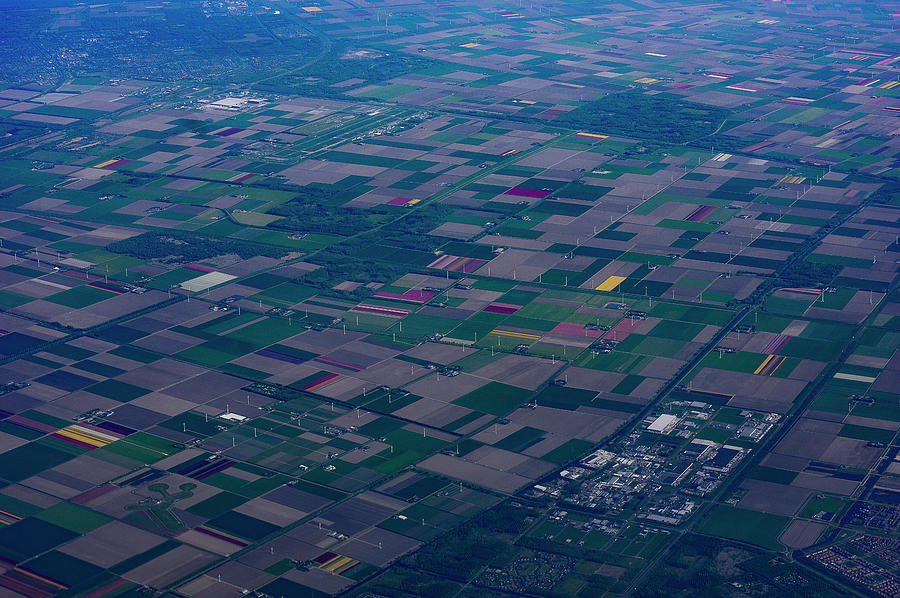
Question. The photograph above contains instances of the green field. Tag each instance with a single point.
(494, 398)
(761, 529)
(80, 297)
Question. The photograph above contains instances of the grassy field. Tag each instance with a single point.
(80, 297)
(754, 527)
(73, 518)
(494, 398)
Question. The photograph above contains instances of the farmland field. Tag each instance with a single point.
(450, 299)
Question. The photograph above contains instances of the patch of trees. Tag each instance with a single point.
(314, 217)
(408, 232)
(406, 582)
(635, 114)
(338, 268)
(335, 194)
(578, 552)
(885, 194)
(809, 274)
(276, 184)
(189, 246)
(485, 540)
(316, 209)
(340, 64)
(699, 566)
(411, 231)
(729, 143)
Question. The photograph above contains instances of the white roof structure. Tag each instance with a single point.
(201, 283)
(662, 423)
